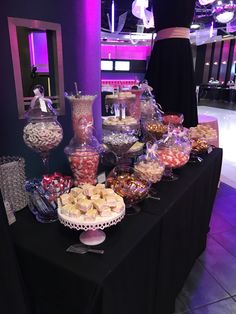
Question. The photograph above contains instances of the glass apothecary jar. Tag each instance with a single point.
(43, 132)
(173, 151)
(84, 160)
(83, 151)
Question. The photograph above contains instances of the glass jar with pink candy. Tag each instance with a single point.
(83, 149)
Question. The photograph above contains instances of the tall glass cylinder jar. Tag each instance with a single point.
(82, 117)
(82, 151)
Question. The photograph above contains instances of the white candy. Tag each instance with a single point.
(42, 136)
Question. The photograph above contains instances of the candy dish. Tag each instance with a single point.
(151, 170)
(205, 132)
(119, 143)
(173, 152)
(91, 208)
(199, 147)
(92, 234)
(173, 118)
(129, 184)
(154, 130)
(43, 194)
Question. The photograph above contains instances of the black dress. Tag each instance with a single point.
(170, 70)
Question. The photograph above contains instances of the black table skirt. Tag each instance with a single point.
(147, 256)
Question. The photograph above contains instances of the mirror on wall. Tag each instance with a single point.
(36, 48)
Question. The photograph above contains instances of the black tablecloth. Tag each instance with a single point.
(147, 256)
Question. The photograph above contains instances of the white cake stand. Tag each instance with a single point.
(92, 234)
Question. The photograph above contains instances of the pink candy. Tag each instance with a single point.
(84, 166)
(172, 157)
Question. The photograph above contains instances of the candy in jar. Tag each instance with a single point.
(84, 164)
(82, 151)
(174, 152)
(149, 165)
(82, 117)
(42, 132)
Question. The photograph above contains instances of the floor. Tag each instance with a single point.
(211, 285)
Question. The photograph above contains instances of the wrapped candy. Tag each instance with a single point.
(43, 194)
(129, 184)
(56, 184)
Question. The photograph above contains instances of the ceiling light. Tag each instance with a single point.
(195, 26)
(224, 11)
(205, 2)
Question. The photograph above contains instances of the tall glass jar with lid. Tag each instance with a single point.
(83, 149)
(43, 132)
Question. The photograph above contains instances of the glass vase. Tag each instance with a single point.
(83, 149)
(12, 181)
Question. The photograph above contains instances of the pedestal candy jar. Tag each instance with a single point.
(173, 151)
(83, 149)
(42, 132)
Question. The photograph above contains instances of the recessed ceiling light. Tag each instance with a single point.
(195, 25)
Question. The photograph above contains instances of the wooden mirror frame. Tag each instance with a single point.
(13, 23)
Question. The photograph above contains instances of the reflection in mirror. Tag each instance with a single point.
(36, 48)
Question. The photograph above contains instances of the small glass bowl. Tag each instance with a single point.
(128, 183)
(174, 118)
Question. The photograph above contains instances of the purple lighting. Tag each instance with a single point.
(125, 52)
(88, 54)
(39, 51)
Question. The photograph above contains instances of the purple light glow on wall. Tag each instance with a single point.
(39, 51)
(125, 52)
(122, 76)
(88, 54)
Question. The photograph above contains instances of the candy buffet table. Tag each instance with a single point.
(147, 256)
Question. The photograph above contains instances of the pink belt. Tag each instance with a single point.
(173, 32)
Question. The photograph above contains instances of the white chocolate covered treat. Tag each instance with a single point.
(85, 202)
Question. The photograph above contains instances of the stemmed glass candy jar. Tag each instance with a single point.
(42, 132)
(83, 149)
(173, 151)
(119, 142)
(149, 164)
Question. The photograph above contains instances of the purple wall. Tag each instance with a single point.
(39, 51)
(88, 52)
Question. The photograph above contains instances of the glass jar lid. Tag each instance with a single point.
(40, 106)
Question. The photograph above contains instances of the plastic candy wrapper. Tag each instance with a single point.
(43, 194)
(149, 165)
(149, 106)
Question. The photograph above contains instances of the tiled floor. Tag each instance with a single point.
(211, 285)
